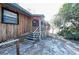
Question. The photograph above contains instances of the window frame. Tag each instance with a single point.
(2, 21)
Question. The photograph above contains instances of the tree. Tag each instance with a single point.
(68, 13)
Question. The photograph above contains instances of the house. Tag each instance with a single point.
(16, 21)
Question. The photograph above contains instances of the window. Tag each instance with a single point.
(9, 17)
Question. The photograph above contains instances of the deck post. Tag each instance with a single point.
(17, 48)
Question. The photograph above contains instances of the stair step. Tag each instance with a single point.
(30, 38)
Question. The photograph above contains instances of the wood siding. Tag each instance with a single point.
(8, 31)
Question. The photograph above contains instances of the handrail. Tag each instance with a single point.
(35, 30)
(11, 41)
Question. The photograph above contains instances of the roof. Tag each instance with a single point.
(21, 9)
(18, 8)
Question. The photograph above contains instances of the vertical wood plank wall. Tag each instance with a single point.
(8, 31)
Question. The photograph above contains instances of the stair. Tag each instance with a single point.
(33, 36)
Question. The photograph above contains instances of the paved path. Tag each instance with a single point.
(48, 46)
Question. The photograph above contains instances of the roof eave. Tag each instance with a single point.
(18, 8)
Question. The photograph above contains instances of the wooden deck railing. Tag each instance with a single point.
(12, 41)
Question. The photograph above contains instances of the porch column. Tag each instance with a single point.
(40, 29)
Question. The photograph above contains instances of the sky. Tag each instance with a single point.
(48, 9)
